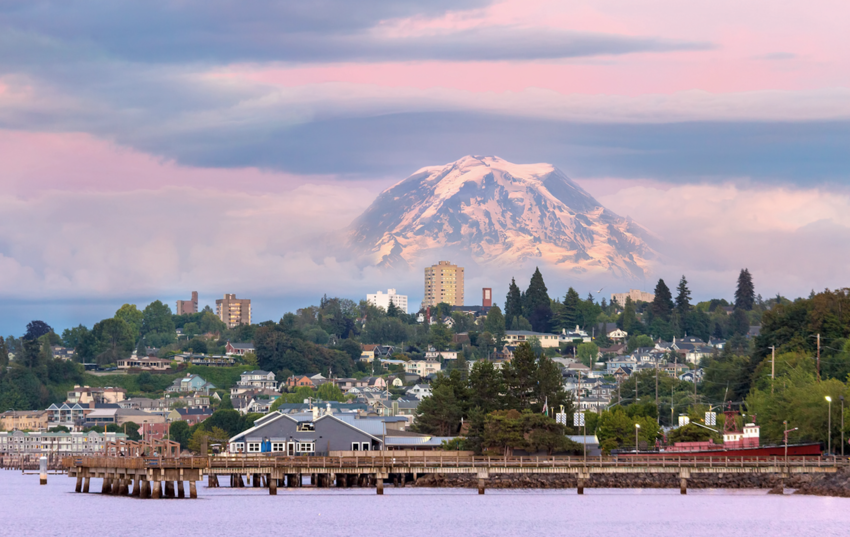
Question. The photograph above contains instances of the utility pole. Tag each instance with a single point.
(636, 385)
(818, 357)
(657, 413)
(772, 366)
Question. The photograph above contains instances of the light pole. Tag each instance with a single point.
(842, 425)
(637, 430)
(829, 426)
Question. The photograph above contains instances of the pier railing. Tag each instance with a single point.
(434, 461)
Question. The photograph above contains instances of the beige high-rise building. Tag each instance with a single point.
(443, 283)
(233, 311)
(635, 294)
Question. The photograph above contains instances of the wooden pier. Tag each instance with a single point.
(159, 477)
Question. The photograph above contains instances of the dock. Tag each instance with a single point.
(164, 477)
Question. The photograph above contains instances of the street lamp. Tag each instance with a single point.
(637, 430)
(829, 426)
(842, 425)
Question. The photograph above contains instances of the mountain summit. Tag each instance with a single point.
(499, 213)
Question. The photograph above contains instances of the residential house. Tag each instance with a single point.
(515, 337)
(379, 383)
(404, 407)
(127, 415)
(618, 334)
(433, 353)
(149, 363)
(690, 375)
(190, 383)
(138, 403)
(423, 368)
(70, 416)
(618, 349)
(622, 373)
(367, 356)
(616, 363)
(24, 420)
(297, 381)
(420, 391)
(592, 404)
(85, 395)
(717, 343)
(387, 363)
(62, 353)
(258, 379)
(193, 416)
(698, 354)
(574, 336)
(238, 349)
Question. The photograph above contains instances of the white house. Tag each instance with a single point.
(617, 334)
(420, 391)
(515, 337)
(382, 300)
(574, 336)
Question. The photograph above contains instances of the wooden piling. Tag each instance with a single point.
(157, 490)
(379, 484)
(145, 490)
(193, 490)
(683, 486)
(137, 484)
(272, 487)
(169, 489)
(86, 484)
(580, 487)
(180, 492)
(79, 487)
(480, 486)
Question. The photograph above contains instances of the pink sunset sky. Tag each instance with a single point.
(149, 149)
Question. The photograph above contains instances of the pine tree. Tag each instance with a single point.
(662, 306)
(683, 298)
(4, 357)
(392, 310)
(141, 348)
(745, 294)
(537, 304)
(513, 303)
(495, 324)
(568, 318)
(629, 317)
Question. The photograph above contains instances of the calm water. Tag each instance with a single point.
(29, 509)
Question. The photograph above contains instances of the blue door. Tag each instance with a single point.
(266, 446)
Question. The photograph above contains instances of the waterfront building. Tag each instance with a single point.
(92, 442)
(238, 349)
(31, 420)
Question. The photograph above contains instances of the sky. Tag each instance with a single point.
(152, 148)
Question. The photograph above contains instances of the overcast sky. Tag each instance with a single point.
(152, 148)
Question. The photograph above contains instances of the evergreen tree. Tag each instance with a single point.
(745, 294)
(683, 297)
(520, 376)
(4, 357)
(142, 349)
(629, 317)
(46, 354)
(537, 305)
(392, 310)
(495, 324)
(513, 303)
(569, 314)
(662, 306)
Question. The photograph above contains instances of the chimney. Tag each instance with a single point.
(315, 413)
(487, 297)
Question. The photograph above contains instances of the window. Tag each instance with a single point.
(306, 447)
(278, 446)
(365, 446)
(355, 446)
(306, 427)
(253, 447)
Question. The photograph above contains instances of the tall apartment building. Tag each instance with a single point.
(634, 294)
(233, 311)
(443, 283)
(382, 300)
(188, 306)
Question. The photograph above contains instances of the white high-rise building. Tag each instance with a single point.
(383, 300)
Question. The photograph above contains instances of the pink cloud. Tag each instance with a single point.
(39, 161)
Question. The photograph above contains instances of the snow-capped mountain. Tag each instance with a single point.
(498, 213)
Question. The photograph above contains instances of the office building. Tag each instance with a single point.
(443, 283)
(233, 311)
(635, 294)
(382, 300)
(188, 306)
